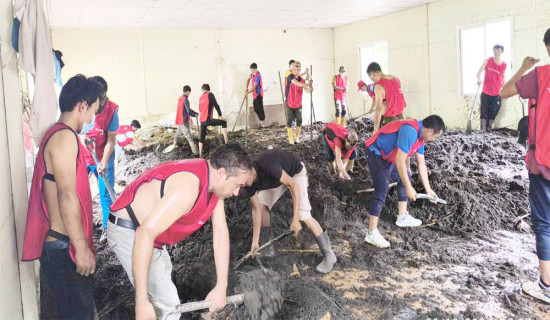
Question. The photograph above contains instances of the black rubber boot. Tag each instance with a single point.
(265, 236)
(329, 258)
(489, 125)
(483, 125)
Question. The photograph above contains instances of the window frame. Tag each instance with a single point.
(371, 44)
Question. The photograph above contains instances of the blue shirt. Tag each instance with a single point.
(257, 81)
(113, 125)
(403, 139)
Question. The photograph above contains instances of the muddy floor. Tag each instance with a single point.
(467, 261)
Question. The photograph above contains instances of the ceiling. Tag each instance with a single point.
(218, 14)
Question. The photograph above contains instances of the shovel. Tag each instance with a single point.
(259, 250)
(427, 197)
(112, 193)
(163, 311)
(469, 126)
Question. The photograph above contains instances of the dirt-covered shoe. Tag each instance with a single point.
(537, 290)
(375, 238)
(265, 236)
(329, 258)
(103, 236)
(406, 220)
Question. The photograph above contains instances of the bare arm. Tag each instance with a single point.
(171, 207)
(379, 95)
(295, 189)
(221, 257)
(256, 221)
(339, 163)
(483, 65)
(63, 152)
(510, 89)
(401, 164)
(334, 86)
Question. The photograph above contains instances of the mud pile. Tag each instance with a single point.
(482, 177)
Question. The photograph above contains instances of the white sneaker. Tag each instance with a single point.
(406, 220)
(103, 236)
(535, 290)
(375, 238)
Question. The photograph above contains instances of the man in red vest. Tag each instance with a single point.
(103, 130)
(338, 144)
(369, 89)
(388, 97)
(295, 86)
(388, 157)
(183, 118)
(165, 205)
(126, 137)
(257, 91)
(535, 86)
(340, 86)
(207, 104)
(59, 217)
(495, 69)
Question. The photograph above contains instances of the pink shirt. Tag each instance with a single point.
(528, 88)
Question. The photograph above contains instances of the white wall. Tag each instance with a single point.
(146, 69)
(424, 52)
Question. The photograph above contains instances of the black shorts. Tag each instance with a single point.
(490, 106)
(213, 122)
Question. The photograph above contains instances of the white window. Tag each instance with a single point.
(373, 52)
(476, 45)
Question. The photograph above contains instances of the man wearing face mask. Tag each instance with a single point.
(388, 157)
(165, 205)
(495, 69)
(59, 217)
(340, 86)
(257, 91)
(103, 130)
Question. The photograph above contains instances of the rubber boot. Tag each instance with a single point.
(329, 258)
(343, 120)
(337, 120)
(290, 136)
(483, 125)
(331, 167)
(489, 125)
(349, 165)
(265, 236)
(297, 138)
(195, 149)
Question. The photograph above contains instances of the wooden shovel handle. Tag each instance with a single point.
(164, 311)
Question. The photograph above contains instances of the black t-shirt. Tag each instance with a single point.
(269, 169)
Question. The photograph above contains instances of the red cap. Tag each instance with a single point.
(360, 84)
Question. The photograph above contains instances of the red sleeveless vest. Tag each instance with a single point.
(494, 77)
(38, 218)
(539, 121)
(341, 132)
(261, 84)
(124, 135)
(393, 127)
(99, 132)
(394, 97)
(179, 112)
(204, 106)
(341, 82)
(194, 219)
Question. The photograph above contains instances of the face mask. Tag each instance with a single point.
(342, 74)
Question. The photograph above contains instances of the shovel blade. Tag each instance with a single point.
(469, 127)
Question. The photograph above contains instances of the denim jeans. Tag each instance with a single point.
(73, 293)
(539, 198)
(103, 192)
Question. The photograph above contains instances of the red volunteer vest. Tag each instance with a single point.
(204, 104)
(38, 218)
(393, 127)
(261, 84)
(99, 132)
(194, 219)
(294, 95)
(341, 132)
(494, 77)
(179, 112)
(341, 82)
(124, 135)
(539, 120)
(394, 97)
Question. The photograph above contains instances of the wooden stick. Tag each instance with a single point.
(163, 311)
(300, 251)
(391, 185)
(267, 244)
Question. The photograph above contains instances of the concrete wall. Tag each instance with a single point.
(19, 294)
(146, 69)
(424, 52)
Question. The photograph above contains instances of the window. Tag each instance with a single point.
(476, 45)
(373, 52)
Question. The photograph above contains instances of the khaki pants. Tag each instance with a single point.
(269, 197)
(161, 287)
(185, 131)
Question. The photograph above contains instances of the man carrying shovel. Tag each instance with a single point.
(165, 205)
(273, 173)
(388, 156)
(183, 117)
